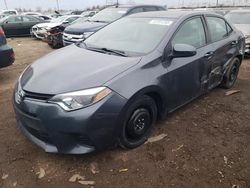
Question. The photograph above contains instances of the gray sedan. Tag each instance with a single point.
(111, 88)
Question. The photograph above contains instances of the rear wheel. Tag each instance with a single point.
(231, 74)
(138, 122)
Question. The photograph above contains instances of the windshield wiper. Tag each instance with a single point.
(99, 21)
(117, 52)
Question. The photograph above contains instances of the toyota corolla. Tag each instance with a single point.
(110, 89)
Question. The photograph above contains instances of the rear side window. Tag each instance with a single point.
(71, 19)
(15, 19)
(29, 19)
(217, 28)
(192, 33)
(149, 9)
(136, 10)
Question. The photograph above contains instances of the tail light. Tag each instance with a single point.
(1, 31)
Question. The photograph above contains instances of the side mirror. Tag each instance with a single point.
(183, 50)
(7, 22)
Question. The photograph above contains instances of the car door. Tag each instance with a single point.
(224, 45)
(28, 23)
(13, 26)
(186, 77)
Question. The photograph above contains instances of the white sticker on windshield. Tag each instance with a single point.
(122, 12)
(161, 22)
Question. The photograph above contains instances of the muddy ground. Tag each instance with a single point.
(207, 143)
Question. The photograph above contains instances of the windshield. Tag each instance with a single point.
(59, 19)
(238, 17)
(109, 15)
(81, 20)
(131, 35)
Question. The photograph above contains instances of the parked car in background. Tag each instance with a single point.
(9, 12)
(241, 20)
(54, 36)
(111, 88)
(88, 14)
(19, 25)
(32, 13)
(40, 30)
(76, 12)
(79, 31)
(56, 15)
(7, 56)
(44, 17)
(3, 16)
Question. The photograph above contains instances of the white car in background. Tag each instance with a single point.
(241, 20)
(40, 30)
(9, 12)
(32, 13)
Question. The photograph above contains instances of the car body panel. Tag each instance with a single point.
(6, 56)
(6, 53)
(57, 135)
(20, 27)
(83, 70)
(176, 81)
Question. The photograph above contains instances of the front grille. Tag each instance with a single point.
(38, 134)
(37, 96)
(84, 140)
(73, 32)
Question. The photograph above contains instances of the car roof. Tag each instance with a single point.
(173, 14)
(133, 6)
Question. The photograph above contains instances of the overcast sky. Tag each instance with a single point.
(82, 4)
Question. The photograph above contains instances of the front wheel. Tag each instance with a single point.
(138, 122)
(231, 75)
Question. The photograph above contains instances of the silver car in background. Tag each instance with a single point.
(241, 20)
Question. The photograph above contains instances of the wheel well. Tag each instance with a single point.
(159, 102)
(240, 57)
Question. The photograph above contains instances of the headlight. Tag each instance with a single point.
(80, 99)
(87, 34)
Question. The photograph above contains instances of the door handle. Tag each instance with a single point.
(209, 54)
(234, 42)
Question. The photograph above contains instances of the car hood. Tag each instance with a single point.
(84, 27)
(50, 25)
(244, 28)
(73, 68)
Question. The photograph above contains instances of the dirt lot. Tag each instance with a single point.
(207, 143)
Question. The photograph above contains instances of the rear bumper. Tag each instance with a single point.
(78, 132)
(7, 56)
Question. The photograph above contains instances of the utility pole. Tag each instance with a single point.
(6, 6)
(57, 2)
(117, 2)
(217, 3)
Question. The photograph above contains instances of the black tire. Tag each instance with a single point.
(138, 122)
(231, 75)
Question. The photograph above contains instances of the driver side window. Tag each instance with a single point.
(14, 19)
(192, 33)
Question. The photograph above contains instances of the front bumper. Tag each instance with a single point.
(38, 33)
(7, 56)
(78, 132)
